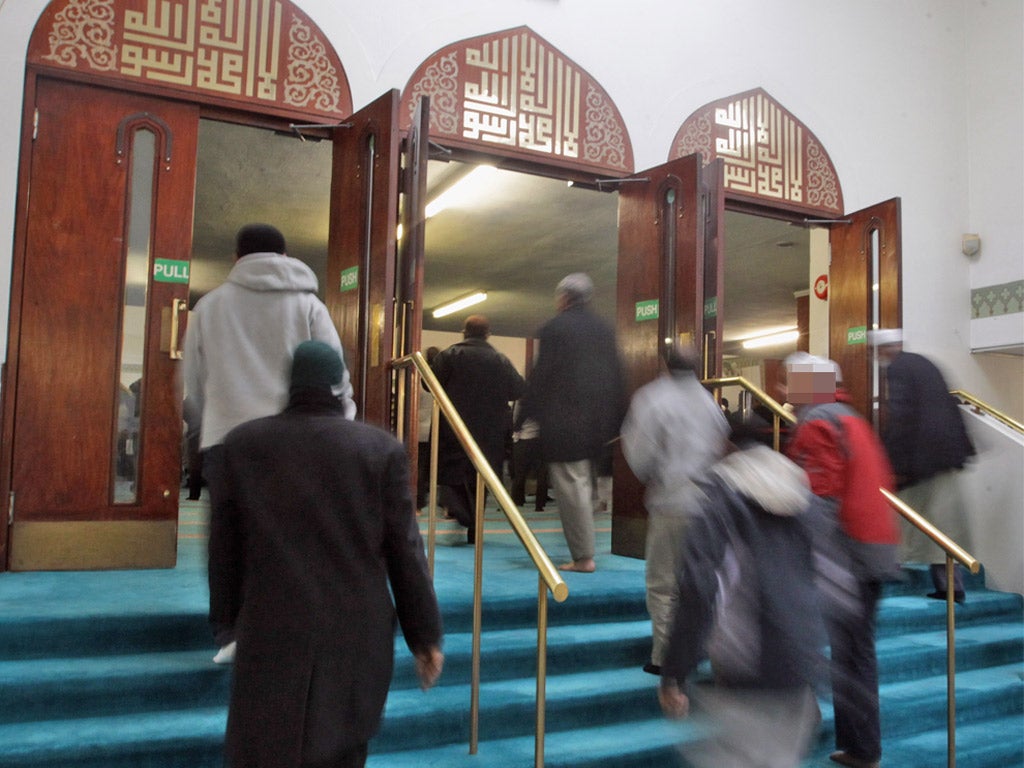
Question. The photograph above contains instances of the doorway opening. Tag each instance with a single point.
(513, 236)
(244, 175)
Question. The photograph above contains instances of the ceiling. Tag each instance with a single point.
(514, 236)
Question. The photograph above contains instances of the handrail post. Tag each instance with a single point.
(548, 575)
(542, 671)
(478, 571)
(950, 666)
(435, 421)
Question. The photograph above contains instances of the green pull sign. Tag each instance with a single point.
(646, 310)
(349, 279)
(711, 306)
(170, 271)
(858, 335)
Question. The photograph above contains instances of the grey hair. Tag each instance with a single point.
(578, 288)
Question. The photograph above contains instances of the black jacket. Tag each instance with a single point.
(576, 391)
(924, 432)
(481, 382)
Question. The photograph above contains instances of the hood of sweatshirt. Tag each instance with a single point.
(272, 272)
(767, 478)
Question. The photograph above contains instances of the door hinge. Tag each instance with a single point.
(10, 510)
(35, 124)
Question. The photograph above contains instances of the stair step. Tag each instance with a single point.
(52, 689)
(923, 654)
(414, 719)
(190, 738)
(649, 743)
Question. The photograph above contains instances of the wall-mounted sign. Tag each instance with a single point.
(170, 271)
(858, 335)
(711, 306)
(349, 279)
(647, 310)
(821, 287)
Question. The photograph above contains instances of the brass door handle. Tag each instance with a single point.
(174, 349)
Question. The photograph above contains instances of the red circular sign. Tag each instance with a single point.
(821, 287)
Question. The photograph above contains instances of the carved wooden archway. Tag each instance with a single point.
(771, 158)
(262, 55)
(513, 94)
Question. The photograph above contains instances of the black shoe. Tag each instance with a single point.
(652, 669)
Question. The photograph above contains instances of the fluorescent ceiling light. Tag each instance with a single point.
(469, 189)
(772, 339)
(454, 306)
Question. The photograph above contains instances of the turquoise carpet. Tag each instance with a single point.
(111, 669)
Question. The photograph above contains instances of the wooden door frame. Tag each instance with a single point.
(270, 117)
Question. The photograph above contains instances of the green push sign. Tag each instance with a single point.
(170, 271)
(646, 310)
(858, 335)
(349, 279)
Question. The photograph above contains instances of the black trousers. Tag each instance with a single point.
(854, 670)
(224, 569)
(527, 458)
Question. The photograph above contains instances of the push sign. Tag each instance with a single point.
(349, 279)
(646, 310)
(170, 271)
(858, 335)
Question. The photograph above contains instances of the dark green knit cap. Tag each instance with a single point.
(316, 365)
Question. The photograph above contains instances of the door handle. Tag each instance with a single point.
(174, 350)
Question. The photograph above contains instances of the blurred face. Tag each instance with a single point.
(806, 386)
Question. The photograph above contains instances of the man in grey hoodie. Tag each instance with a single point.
(238, 355)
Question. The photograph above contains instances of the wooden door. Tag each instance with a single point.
(361, 262)
(95, 454)
(865, 253)
(663, 216)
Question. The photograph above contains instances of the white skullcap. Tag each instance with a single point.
(884, 336)
(804, 361)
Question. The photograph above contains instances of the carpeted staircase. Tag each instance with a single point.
(105, 670)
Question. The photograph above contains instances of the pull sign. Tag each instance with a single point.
(170, 271)
(711, 307)
(858, 335)
(349, 279)
(646, 310)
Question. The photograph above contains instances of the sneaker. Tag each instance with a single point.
(226, 655)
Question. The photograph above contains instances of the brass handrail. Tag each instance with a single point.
(985, 407)
(549, 579)
(953, 550)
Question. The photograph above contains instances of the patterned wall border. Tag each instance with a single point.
(770, 156)
(994, 300)
(260, 52)
(515, 94)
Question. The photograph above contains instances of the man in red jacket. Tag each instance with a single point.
(847, 465)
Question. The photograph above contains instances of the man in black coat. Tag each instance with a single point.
(326, 525)
(925, 437)
(577, 394)
(481, 382)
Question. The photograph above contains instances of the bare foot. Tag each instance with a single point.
(586, 565)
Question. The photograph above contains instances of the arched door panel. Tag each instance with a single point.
(664, 287)
(95, 455)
